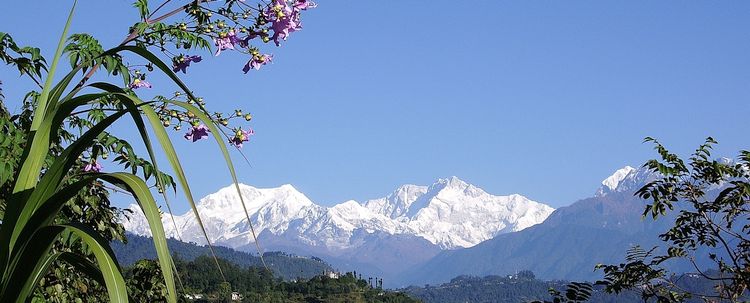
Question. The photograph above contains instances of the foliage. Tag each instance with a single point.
(711, 197)
(521, 287)
(256, 284)
(144, 282)
(57, 221)
(283, 265)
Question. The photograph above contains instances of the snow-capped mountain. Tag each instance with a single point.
(625, 179)
(450, 214)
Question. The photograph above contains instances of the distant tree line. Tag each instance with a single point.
(284, 265)
(524, 287)
(254, 284)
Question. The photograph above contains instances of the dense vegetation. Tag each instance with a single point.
(255, 284)
(56, 220)
(524, 287)
(283, 265)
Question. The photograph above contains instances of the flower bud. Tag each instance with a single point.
(166, 123)
(248, 117)
(238, 112)
(224, 122)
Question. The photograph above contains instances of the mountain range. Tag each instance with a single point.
(380, 237)
(430, 234)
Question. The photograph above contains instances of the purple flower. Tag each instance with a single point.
(241, 137)
(93, 167)
(226, 41)
(138, 83)
(284, 18)
(257, 61)
(181, 63)
(197, 132)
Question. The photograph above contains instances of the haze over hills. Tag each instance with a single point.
(382, 236)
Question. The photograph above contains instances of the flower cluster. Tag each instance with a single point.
(197, 132)
(93, 167)
(282, 17)
(138, 83)
(241, 136)
(181, 63)
(257, 61)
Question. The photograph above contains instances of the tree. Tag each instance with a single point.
(712, 198)
(56, 219)
(712, 201)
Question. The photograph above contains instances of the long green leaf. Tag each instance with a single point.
(143, 196)
(35, 260)
(29, 199)
(106, 261)
(222, 146)
(42, 104)
(171, 154)
(17, 211)
(48, 211)
(159, 64)
(53, 176)
(17, 282)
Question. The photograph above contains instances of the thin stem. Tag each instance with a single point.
(157, 9)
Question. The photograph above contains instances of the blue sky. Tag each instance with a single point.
(541, 98)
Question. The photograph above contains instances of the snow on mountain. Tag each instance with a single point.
(450, 213)
(398, 202)
(455, 214)
(625, 179)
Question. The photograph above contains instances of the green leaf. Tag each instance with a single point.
(222, 146)
(143, 196)
(42, 105)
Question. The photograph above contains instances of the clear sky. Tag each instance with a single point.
(541, 98)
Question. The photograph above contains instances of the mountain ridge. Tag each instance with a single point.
(450, 213)
(382, 236)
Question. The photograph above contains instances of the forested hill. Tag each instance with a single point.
(284, 265)
(524, 287)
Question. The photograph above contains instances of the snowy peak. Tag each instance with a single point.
(398, 202)
(450, 213)
(454, 186)
(611, 182)
(625, 179)
(226, 203)
(455, 214)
